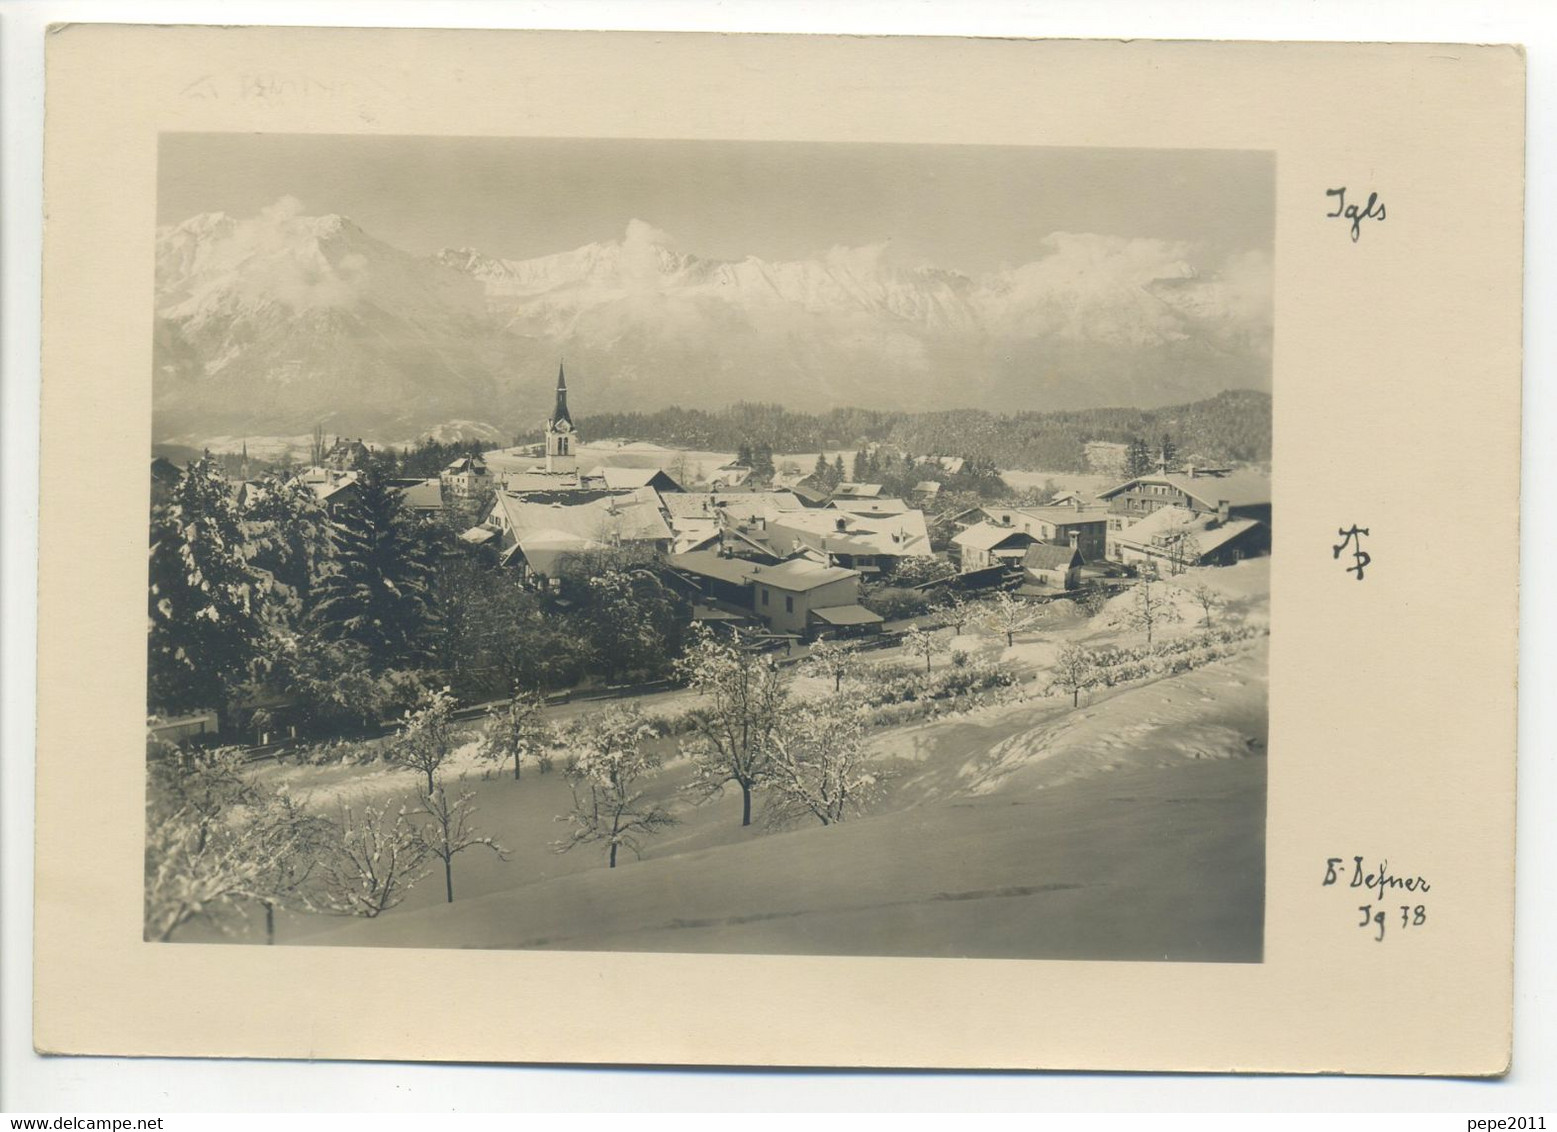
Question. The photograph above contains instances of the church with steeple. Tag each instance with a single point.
(561, 439)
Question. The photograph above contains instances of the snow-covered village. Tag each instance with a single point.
(907, 598)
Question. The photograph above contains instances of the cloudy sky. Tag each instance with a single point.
(969, 208)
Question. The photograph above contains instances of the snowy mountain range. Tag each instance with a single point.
(275, 322)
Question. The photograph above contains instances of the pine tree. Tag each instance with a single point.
(380, 591)
(1168, 452)
(762, 462)
(206, 628)
(743, 455)
(861, 466)
(838, 476)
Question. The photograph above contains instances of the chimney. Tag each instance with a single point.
(1075, 540)
(1222, 507)
(1189, 470)
(1075, 502)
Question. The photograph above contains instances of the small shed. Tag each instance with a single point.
(1058, 567)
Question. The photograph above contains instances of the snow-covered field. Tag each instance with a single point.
(1130, 827)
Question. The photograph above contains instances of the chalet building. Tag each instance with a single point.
(1050, 567)
(334, 489)
(803, 598)
(535, 536)
(1236, 495)
(1060, 526)
(989, 544)
(348, 455)
(794, 598)
(1171, 538)
(466, 478)
(871, 544)
(925, 491)
(717, 577)
(951, 465)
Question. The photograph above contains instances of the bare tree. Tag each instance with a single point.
(917, 643)
(427, 737)
(958, 610)
(833, 659)
(378, 858)
(1150, 608)
(1009, 615)
(292, 842)
(516, 730)
(743, 695)
(1074, 670)
(607, 806)
(1209, 600)
(820, 768)
(215, 844)
(449, 831)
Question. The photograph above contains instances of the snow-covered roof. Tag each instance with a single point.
(882, 506)
(619, 477)
(735, 504)
(850, 490)
(987, 536)
(800, 575)
(842, 615)
(1165, 527)
(634, 517)
(1240, 489)
(1047, 556)
(425, 495)
(842, 532)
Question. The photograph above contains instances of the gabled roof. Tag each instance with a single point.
(927, 487)
(851, 490)
(798, 575)
(478, 535)
(842, 615)
(712, 564)
(423, 495)
(841, 532)
(950, 464)
(626, 518)
(1240, 489)
(1062, 515)
(1169, 524)
(987, 536)
(165, 470)
(1047, 556)
(475, 465)
(618, 477)
(742, 505)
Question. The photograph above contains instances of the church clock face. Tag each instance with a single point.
(563, 426)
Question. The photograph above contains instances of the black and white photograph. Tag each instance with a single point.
(709, 546)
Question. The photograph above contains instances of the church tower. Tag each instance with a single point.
(561, 440)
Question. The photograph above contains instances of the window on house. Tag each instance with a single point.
(789, 604)
(764, 597)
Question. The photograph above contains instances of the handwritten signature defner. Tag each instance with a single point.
(1373, 210)
(1381, 879)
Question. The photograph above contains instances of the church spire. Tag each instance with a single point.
(560, 412)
